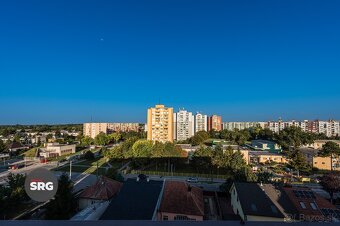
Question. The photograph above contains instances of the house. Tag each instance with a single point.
(56, 149)
(244, 151)
(265, 145)
(311, 206)
(16, 146)
(137, 200)
(251, 203)
(266, 157)
(319, 143)
(103, 190)
(319, 162)
(181, 201)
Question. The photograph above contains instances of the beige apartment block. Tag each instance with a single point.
(93, 129)
(123, 127)
(160, 124)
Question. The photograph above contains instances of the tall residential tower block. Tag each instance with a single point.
(160, 124)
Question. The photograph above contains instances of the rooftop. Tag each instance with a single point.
(181, 198)
(135, 201)
(256, 202)
(307, 202)
(104, 189)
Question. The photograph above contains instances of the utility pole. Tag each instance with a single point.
(97, 170)
(70, 169)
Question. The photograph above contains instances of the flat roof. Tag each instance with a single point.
(135, 201)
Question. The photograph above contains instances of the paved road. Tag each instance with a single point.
(25, 170)
(81, 181)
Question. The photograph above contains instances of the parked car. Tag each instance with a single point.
(192, 180)
(142, 177)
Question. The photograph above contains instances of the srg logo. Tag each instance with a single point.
(41, 185)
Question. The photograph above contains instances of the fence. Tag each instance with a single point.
(176, 174)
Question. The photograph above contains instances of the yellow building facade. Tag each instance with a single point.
(160, 124)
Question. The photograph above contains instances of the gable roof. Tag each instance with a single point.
(181, 198)
(304, 196)
(14, 145)
(104, 189)
(254, 201)
(136, 201)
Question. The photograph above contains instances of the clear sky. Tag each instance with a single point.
(65, 61)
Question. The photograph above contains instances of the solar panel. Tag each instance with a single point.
(304, 194)
(331, 212)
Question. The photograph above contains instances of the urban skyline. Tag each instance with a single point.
(114, 118)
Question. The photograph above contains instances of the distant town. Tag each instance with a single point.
(179, 166)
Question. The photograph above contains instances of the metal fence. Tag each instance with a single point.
(158, 173)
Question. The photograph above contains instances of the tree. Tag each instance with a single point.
(297, 161)
(5, 194)
(64, 205)
(245, 174)
(142, 148)
(16, 184)
(264, 176)
(87, 141)
(157, 150)
(115, 137)
(199, 138)
(127, 147)
(101, 139)
(2, 146)
(171, 150)
(293, 137)
(16, 180)
(232, 160)
(114, 174)
(202, 157)
(331, 183)
(330, 149)
(89, 155)
(115, 152)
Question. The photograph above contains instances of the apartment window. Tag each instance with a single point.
(313, 205)
(165, 218)
(302, 204)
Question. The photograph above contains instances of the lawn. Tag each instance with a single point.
(89, 166)
(186, 169)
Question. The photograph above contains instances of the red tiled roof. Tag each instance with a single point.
(14, 145)
(104, 189)
(308, 210)
(181, 198)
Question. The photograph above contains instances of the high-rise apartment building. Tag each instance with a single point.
(201, 122)
(329, 128)
(242, 125)
(93, 129)
(215, 123)
(183, 125)
(124, 127)
(160, 124)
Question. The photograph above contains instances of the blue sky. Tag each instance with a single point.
(65, 61)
